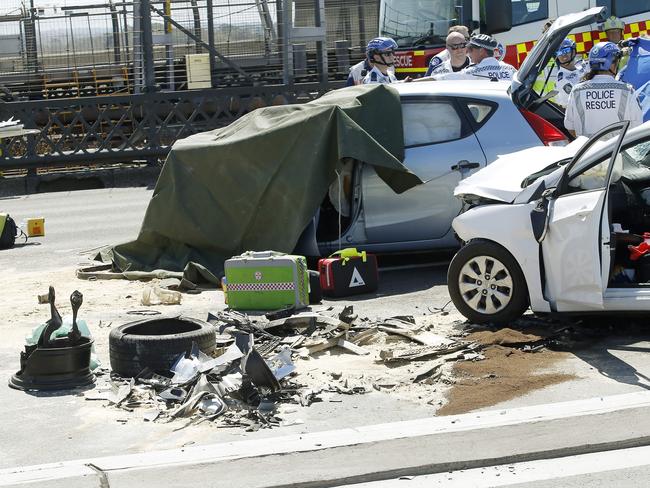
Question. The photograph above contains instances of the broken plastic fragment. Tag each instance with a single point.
(260, 374)
(204, 385)
(151, 415)
(221, 363)
(288, 423)
(185, 369)
(121, 393)
(229, 383)
(281, 364)
(211, 404)
(174, 394)
(153, 294)
(189, 406)
(266, 406)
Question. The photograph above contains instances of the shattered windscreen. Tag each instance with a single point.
(416, 22)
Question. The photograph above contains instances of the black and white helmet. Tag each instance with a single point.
(484, 41)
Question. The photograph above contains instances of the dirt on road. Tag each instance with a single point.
(506, 372)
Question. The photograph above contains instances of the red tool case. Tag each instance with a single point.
(348, 272)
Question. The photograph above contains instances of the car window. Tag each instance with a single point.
(430, 123)
(525, 11)
(636, 163)
(480, 111)
(639, 154)
(591, 174)
(595, 176)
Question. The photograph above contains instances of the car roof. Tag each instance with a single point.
(471, 88)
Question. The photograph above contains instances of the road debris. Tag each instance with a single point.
(261, 364)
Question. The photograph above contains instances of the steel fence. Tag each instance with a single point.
(82, 49)
(126, 128)
(122, 80)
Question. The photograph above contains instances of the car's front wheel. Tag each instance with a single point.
(486, 284)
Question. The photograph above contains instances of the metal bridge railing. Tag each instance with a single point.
(126, 128)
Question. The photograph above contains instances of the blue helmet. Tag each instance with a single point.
(603, 55)
(568, 46)
(381, 46)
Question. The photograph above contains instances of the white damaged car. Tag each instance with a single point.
(551, 228)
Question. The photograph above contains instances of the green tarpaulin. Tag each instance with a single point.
(256, 184)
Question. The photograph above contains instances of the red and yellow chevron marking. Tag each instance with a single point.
(523, 48)
(585, 40)
(416, 62)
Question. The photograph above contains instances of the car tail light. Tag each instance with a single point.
(547, 132)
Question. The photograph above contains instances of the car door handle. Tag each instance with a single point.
(464, 164)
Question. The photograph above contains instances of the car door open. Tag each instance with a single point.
(575, 247)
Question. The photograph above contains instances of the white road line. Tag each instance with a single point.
(363, 441)
(528, 472)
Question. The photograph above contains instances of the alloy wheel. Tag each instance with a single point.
(485, 284)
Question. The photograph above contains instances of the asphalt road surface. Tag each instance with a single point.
(76, 222)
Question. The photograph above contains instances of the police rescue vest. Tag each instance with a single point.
(599, 102)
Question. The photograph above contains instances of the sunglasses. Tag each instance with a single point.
(461, 45)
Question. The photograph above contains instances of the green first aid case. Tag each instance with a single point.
(267, 281)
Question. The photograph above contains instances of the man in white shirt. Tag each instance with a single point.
(601, 100)
(444, 55)
(458, 59)
(485, 66)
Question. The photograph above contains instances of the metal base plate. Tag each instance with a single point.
(23, 382)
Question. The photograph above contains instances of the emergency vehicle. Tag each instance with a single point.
(420, 26)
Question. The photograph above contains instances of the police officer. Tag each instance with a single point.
(381, 52)
(601, 100)
(613, 28)
(444, 55)
(359, 71)
(570, 70)
(458, 60)
(481, 49)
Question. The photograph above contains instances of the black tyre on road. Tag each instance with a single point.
(156, 343)
(486, 283)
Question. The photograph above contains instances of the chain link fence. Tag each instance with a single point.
(79, 49)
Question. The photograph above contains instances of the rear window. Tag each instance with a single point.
(525, 11)
(480, 111)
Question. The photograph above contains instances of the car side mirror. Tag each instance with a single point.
(539, 215)
(549, 193)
